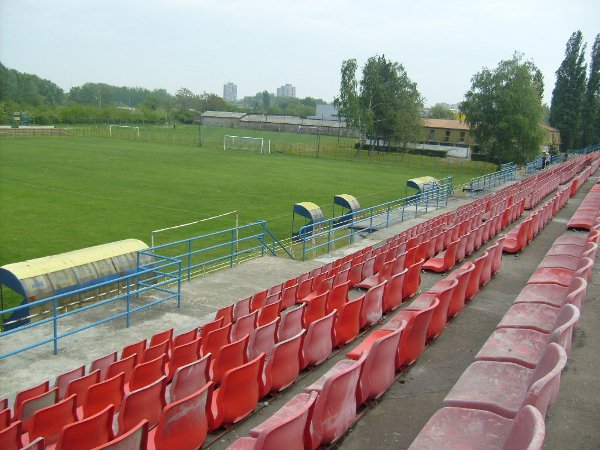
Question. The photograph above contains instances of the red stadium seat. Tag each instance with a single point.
(245, 325)
(189, 379)
(103, 363)
(282, 369)
(64, 379)
(372, 307)
(48, 422)
(186, 337)
(144, 404)
(228, 357)
(90, 432)
(319, 341)
(347, 322)
(134, 439)
(100, 395)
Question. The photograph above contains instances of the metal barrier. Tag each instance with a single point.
(226, 248)
(156, 278)
(326, 233)
(490, 180)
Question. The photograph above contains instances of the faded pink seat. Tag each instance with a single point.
(263, 339)
(444, 291)
(463, 275)
(461, 249)
(439, 317)
(238, 395)
(516, 239)
(282, 369)
(554, 294)
(475, 278)
(379, 368)
(347, 322)
(286, 429)
(144, 404)
(561, 276)
(182, 355)
(412, 341)
(392, 294)
(244, 325)
(504, 388)
(444, 261)
(525, 346)
(372, 307)
(189, 379)
(240, 308)
(290, 323)
(335, 408)
(318, 341)
(315, 308)
(412, 280)
(453, 428)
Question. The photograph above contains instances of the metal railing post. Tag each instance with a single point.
(128, 302)
(55, 324)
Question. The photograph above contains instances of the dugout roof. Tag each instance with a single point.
(45, 277)
(420, 182)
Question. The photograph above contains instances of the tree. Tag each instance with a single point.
(567, 96)
(504, 109)
(591, 101)
(266, 101)
(386, 105)
(441, 111)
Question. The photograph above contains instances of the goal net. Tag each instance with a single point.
(247, 143)
(123, 131)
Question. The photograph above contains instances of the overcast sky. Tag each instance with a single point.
(263, 44)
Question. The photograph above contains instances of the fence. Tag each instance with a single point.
(221, 249)
(485, 182)
(156, 278)
(323, 236)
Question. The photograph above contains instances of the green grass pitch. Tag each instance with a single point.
(64, 193)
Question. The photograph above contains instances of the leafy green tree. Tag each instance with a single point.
(591, 101)
(387, 104)
(266, 101)
(567, 96)
(504, 109)
(441, 111)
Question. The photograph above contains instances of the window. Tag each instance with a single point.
(462, 137)
(432, 134)
(447, 137)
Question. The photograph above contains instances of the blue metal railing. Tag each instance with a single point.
(157, 277)
(220, 249)
(326, 233)
(485, 182)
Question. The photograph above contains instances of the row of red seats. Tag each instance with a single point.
(370, 369)
(521, 235)
(588, 213)
(501, 399)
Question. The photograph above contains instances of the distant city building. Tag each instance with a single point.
(326, 112)
(230, 92)
(286, 91)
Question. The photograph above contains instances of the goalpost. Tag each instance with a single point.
(136, 129)
(248, 143)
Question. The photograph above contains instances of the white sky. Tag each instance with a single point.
(263, 44)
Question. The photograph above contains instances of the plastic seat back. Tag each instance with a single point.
(136, 350)
(239, 393)
(144, 404)
(412, 280)
(355, 273)
(190, 378)
(527, 431)
(286, 428)
(392, 293)
(225, 314)
(163, 336)
(283, 367)
(290, 323)
(474, 280)
(229, 356)
(103, 363)
(134, 439)
(319, 341)
(245, 325)
(347, 322)
(565, 322)
(216, 339)
(263, 339)
(335, 408)
(304, 289)
(80, 386)
(28, 393)
(10, 437)
(108, 392)
(33, 404)
(545, 379)
(497, 257)
(123, 365)
(154, 352)
(241, 308)
(257, 301)
(147, 373)
(288, 296)
(211, 326)
(412, 341)
(315, 309)
(372, 307)
(48, 422)
(439, 317)
(461, 249)
(182, 355)
(269, 313)
(183, 425)
(88, 433)
(64, 379)
(379, 368)
(459, 293)
(338, 296)
(186, 337)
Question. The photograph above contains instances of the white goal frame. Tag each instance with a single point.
(137, 129)
(233, 139)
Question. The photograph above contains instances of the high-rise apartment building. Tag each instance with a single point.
(230, 92)
(286, 91)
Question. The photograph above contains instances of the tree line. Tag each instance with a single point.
(46, 103)
(503, 107)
